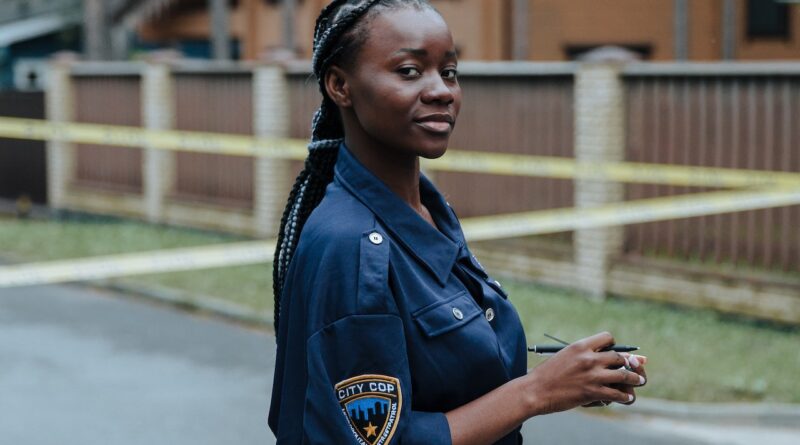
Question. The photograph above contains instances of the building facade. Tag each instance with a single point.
(521, 29)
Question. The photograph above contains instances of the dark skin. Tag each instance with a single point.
(398, 97)
(399, 102)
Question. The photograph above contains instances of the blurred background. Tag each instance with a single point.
(171, 350)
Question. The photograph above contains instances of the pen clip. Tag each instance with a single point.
(556, 339)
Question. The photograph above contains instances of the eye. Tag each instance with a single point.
(450, 74)
(409, 71)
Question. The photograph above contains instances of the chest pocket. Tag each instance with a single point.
(442, 317)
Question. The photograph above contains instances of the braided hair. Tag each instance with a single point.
(338, 35)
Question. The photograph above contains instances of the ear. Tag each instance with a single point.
(337, 86)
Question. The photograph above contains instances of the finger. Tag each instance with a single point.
(596, 404)
(636, 361)
(597, 341)
(627, 390)
(637, 364)
(624, 397)
(640, 370)
(622, 376)
(611, 359)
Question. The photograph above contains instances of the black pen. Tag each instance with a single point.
(552, 349)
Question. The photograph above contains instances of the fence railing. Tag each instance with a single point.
(717, 115)
(714, 115)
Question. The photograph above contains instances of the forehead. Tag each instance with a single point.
(404, 28)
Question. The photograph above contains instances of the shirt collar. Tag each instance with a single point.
(436, 249)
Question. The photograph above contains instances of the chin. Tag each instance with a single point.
(431, 148)
(433, 153)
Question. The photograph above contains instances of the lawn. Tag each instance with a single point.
(694, 355)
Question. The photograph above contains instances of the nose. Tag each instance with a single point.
(437, 91)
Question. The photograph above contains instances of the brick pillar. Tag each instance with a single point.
(599, 137)
(60, 108)
(272, 176)
(157, 114)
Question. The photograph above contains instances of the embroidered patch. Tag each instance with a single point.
(371, 403)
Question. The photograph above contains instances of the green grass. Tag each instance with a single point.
(694, 355)
(80, 236)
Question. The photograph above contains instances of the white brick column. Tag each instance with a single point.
(599, 137)
(59, 102)
(272, 176)
(157, 114)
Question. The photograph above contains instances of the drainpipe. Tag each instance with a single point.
(220, 33)
(681, 8)
(729, 29)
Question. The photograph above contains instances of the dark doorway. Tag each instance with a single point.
(23, 168)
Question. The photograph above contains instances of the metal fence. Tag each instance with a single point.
(108, 99)
(716, 118)
(717, 115)
(220, 103)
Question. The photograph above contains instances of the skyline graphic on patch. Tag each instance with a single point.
(371, 403)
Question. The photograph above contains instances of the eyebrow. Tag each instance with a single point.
(423, 52)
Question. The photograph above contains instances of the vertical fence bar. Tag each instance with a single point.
(717, 161)
(702, 158)
(158, 113)
(270, 119)
(60, 107)
(786, 164)
(769, 142)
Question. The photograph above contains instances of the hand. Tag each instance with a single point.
(581, 375)
(636, 364)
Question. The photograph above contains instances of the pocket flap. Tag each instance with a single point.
(438, 318)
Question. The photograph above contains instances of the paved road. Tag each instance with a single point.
(78, 366)
(83, 366)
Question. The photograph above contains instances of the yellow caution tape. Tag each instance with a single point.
(455, 160)
(112, 266)
(475, 229)
(628, 212)
(122, 136)
(568, 168)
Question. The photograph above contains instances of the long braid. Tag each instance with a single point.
(336, 39)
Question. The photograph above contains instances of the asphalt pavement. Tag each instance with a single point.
(85, 366)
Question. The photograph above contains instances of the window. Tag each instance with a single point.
(767, 18)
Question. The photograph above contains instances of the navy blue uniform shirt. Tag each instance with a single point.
(386, 323)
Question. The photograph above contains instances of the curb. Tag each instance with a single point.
(740, 414)
(211, 306)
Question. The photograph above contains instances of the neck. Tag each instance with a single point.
(399, 171)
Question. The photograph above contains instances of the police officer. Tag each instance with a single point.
(388, 328)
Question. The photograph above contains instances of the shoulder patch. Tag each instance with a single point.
(371, 403)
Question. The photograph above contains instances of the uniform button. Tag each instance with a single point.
(489, 314)
(457, 313)
(375, 238)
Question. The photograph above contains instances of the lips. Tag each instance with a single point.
(440, 123)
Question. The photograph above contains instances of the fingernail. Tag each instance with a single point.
(634, 361)
(641, 380)
(630, 398)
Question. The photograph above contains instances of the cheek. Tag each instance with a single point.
(385, 108)
(457, 96)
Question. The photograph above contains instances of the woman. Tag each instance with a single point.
(389, 330)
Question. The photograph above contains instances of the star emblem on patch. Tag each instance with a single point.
(371, 403)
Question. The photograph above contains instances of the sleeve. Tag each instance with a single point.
(358, 384)
(359, 387)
